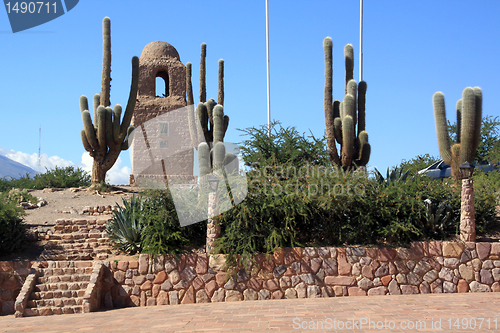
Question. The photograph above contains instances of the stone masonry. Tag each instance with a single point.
(425, 267)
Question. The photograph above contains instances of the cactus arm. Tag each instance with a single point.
(231, 163)
(361, 106)
(226, 125)
(441, 127)
(84, 104)
(204, 159)
(132, 98)
(202, 113)
(364, 149)
(329, 116)
(455, 161)
(117, 113)
(467, 134)
(89, 130)
(203, 87)
(126, 143)
(218, 116)
(220, 98)
(109, 128)
(336, 109)
(337, 124)
(85, 142)
(479, 117)
(106, 62)
(349, 107)
(219, 152)
(96, 100)
(189, 85)
(349, 64)
(352, 89)
(210, 111)
(341, 110)
(347, 140)
(101, 128)
(459, 119)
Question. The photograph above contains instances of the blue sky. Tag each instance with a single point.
(411, 50)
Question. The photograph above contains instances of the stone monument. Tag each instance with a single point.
(161, 147)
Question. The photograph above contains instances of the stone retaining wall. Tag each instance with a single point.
(434, 267)
(12, 277)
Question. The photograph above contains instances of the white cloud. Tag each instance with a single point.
(117, 175)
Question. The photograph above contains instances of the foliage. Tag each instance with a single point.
(437, 221)
(393, 177)
(17, 196)
(284, 146)
(127, 225)
(414, 165)
(12, 228)
(489, 144)
(52, 178)
(163, 233)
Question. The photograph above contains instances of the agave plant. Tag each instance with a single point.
(127, 225)
(393, 177)
(437, 218)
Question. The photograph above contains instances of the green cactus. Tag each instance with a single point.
(341, 118)
(213, 122)
(109, 136)
(469, 113)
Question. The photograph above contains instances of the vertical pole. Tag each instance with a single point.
(467, 214)
(268, 73)
(360, 40)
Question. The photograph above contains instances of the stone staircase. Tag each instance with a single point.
(59, 287)
(77, 239)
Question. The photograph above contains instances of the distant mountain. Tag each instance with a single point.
(14, 169)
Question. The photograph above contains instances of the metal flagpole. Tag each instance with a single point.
(268, 74)
(360, 40)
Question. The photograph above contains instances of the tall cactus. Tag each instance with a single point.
(341, 118)
(469, 115)
(213, 121)
(108, 137)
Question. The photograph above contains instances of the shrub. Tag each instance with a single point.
(12, 228)
(62, 178)
(163, 233)
(127, 225)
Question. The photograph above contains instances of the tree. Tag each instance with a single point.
(488, 149)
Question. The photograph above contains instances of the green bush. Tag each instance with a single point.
(12, 228)
(163, 233)
(54, 178)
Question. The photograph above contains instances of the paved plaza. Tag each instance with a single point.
(405, 313)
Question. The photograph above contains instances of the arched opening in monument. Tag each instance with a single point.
(162, 88)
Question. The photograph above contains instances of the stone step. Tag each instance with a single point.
(80, 243)
(55, 302)
(45, 295)
(63, 279)
(66, 271)
(47, 311)
(62, 255)
(67, 264)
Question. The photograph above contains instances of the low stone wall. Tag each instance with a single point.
(433, 267)
(12, 277)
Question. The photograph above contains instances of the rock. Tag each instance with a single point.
(344, 268)
(463, 286)
(290, 293)
(478, 287)
(422, 267)
(446, 274)
(356, 291)
(483, 250)
(496, 274)
(264, 294)
(466, 273)
(452, 250)
(250, 295)
(329, 265)
(451, 262)
(313, 292)
(476, 265)
(394, 288)
(413, 279)
(382, 270)
(382, 290)
(340, 280)
(425, 288)
(430, 276)
(401, 279)
(365, 284)
(218, 295)
(301, 289)
(233, 295)
(486, 276)
(407, 290)
(449, 287)
(495, 287)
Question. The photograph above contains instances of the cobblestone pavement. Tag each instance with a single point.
(405, 313)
